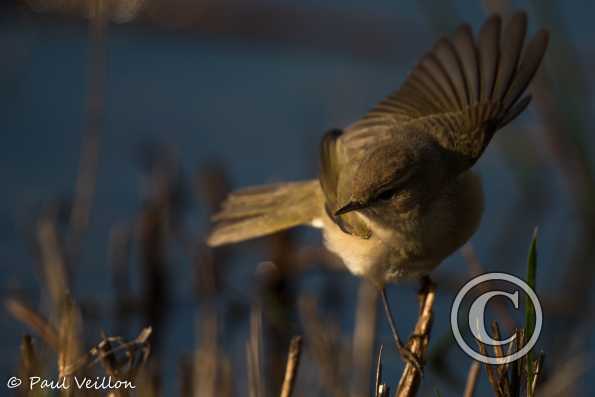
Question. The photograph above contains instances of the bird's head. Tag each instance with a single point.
(404, 173)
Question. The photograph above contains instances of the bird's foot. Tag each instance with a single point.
(406, 354)
(410, 358)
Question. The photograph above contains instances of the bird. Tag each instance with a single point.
(396, 193)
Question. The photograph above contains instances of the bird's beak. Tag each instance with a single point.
(350, 206)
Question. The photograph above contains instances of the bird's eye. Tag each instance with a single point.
(387, 194)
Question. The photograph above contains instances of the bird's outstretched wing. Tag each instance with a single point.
(462, 91)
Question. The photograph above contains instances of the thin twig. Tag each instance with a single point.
(69, 336)
(55, 272)
(363, 338)
(98, 353)
(380, 389)
(207, 355)
(324, 342)
(293, 361)
(33, 320)
(30, 363)
(501, 370)
(378, 380)
(472, 376)
(537, 372)
(491, 371)
(253, 354)
(515, 367)
(89, 160)
(418, 342)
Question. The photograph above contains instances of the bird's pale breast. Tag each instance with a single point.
(425, 238)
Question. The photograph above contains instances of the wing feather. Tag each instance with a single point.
(465, 48)
(463, 90)
(489, 55)
(513, 38)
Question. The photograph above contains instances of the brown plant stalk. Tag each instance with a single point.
(419, 340)
(293, 361)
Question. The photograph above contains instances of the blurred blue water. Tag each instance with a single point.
(259, 108)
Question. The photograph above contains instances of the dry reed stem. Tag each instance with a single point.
(30, 364)
(293, 362)
(69, 337)
(419, 340)
(537, 373)
(501, 370)
(378, 378)
(472, 377)
(505, 379)
(99, 354)
(53, 262)
(254, 355)
(363, 338)
(226, 386)
(33, 320)
(325, 348)
(207, 355)
(516, 366)
(380, 389)
(119, 252)
(89, 161)
(492, 373)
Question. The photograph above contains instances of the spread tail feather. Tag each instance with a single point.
(258, 211)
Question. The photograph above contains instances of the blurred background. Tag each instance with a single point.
(125, 122)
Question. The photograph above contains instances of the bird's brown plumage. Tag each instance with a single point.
(438, 122)
(459, 94)
(462, 91)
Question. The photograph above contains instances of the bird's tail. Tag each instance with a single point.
(262, 210)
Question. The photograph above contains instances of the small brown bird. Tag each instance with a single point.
(395, 195)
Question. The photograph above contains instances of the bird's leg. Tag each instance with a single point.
(405, 353)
